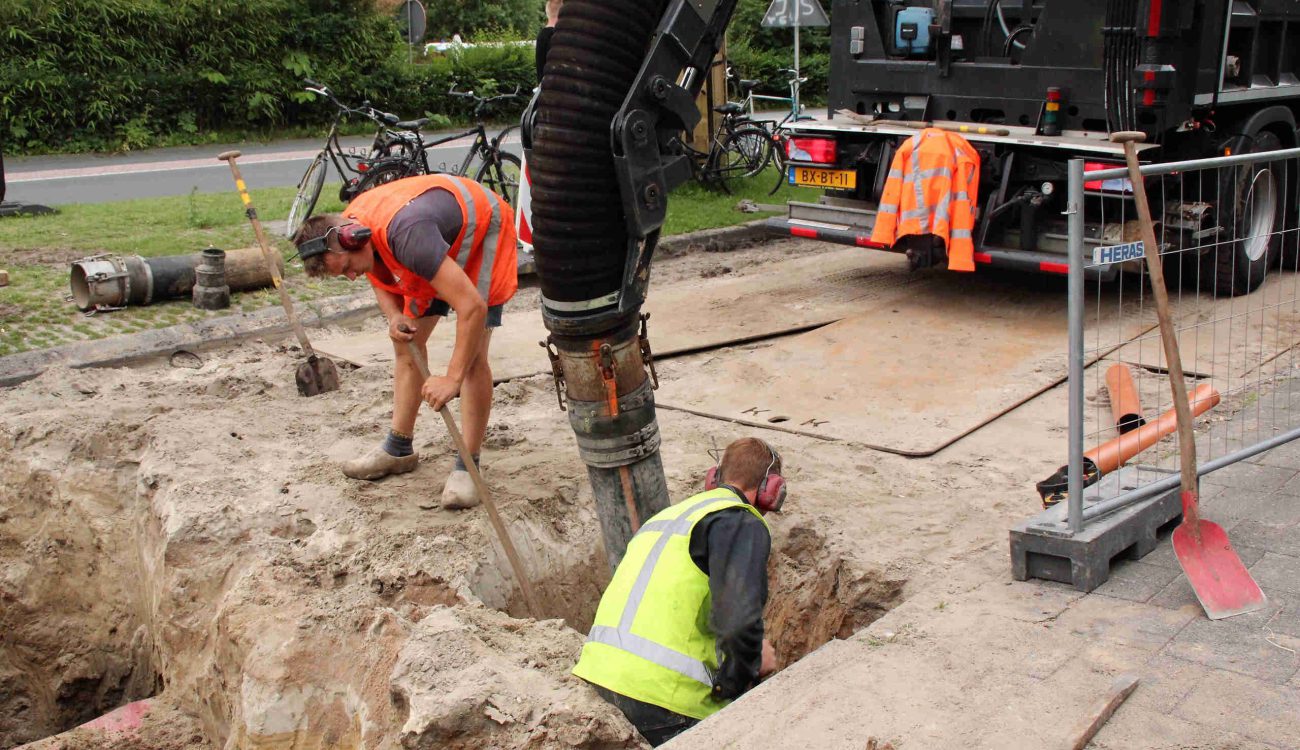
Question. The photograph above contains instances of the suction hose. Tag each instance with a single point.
(581, 245)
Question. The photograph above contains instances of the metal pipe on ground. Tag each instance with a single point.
(113, 281)
(584, 252)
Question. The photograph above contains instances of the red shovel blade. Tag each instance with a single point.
(1217, 575)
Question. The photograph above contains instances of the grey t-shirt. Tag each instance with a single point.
(421, 232)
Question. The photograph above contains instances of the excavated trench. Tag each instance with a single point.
(815, 593)
(79, 591)
(76, 637)
(146, 550)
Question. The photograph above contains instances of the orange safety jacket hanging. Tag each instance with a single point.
(487, 228)
(931, 188)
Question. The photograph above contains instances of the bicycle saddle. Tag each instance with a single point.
(413, 124)
(730, 108)
(746, 85)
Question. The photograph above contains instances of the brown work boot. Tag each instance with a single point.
(459, 493)
(378, 464)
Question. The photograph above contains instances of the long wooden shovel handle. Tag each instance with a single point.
(530, 599)
(1186, 440)
(267, 253)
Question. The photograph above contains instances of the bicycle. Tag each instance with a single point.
(779, 134)
(345, 162)
(498, 170)
(740, 147)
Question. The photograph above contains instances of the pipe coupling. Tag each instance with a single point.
(607, 441)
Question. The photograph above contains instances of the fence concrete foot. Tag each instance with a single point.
(1042, 547)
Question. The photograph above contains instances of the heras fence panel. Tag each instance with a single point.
(1229, 246)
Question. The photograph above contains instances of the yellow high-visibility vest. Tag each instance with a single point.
(651, 639)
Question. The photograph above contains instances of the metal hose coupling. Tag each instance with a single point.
(606, 385)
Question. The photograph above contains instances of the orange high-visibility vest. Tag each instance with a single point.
(932, 188)
(486, 239)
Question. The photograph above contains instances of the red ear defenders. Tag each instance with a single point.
(771, 491)
(351, 237)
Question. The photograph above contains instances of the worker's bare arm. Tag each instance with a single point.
(455, 288)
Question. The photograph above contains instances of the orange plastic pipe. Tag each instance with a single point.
(1124, 404)
(1114, 453)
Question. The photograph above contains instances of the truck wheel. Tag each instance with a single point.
(1250, 215)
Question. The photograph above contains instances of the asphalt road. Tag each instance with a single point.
(82, 178)
(90, 178)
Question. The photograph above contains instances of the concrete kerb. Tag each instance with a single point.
(200, 335)
(117, 351)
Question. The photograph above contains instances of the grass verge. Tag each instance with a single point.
(36, 309)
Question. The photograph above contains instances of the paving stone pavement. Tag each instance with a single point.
(986, 662)
(1240, 675)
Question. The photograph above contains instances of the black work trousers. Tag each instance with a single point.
(657, 725)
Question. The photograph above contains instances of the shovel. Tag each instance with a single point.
(316, 375)
(1215, 572)
(530, 598)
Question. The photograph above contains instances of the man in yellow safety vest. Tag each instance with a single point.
(679, 631)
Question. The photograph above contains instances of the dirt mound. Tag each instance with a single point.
(187, 529)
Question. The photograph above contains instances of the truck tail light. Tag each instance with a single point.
(816, 150)
(1114, 185)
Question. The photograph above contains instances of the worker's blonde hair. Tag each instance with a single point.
(746, 462)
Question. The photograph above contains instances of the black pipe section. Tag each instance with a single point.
(104, 282)
(583, 249)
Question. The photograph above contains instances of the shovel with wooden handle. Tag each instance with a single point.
(530, 599)
(317, 375)
(1215, 572)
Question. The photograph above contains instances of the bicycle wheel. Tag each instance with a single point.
(380, 174)
(309, 188)
(744, 153)
(501, 175)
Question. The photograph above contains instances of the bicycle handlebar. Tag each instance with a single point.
(481, 100)
(365, 110)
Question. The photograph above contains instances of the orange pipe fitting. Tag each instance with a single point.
(1116, 452)
(1124, 404)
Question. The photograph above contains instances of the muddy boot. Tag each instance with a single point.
(459, 493)
(378, 464)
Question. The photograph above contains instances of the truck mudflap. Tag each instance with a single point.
(1018, 260)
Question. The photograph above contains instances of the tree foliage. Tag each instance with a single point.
(116, 74)
(81, 75)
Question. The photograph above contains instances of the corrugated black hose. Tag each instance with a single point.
(580, 238)
(581, 244)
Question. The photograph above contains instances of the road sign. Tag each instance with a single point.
(411, 18)
(785, 14)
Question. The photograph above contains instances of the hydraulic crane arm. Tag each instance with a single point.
(661, 105)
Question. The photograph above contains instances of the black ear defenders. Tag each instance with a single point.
(351, 237)
(771, 491)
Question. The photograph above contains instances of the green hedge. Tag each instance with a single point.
(103, 75)
(81, 75)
